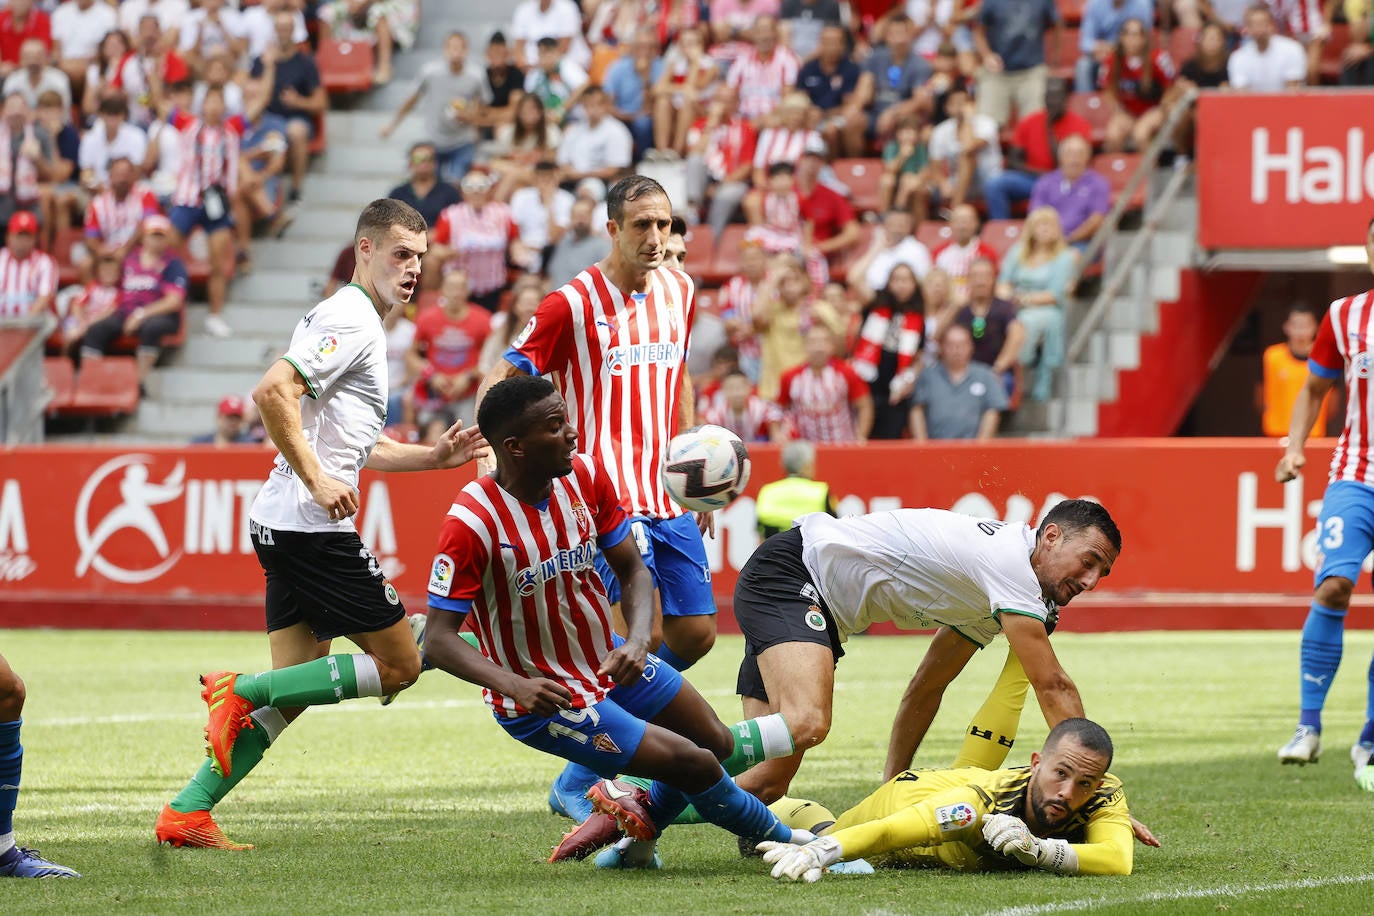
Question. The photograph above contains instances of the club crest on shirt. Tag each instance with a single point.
(602, 742)
(955, 817)
(583, 518)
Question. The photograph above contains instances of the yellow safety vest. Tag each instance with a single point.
(784, 500)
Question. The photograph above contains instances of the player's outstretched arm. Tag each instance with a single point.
(278, 399)
(1058, 696)
(948, 654)
(457, 446)
(1305, 408)
(447, 651)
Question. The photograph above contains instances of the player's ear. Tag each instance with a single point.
(514, 445)
(1035, 760)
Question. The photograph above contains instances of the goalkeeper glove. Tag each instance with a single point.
(1010, 836)
(801, 863)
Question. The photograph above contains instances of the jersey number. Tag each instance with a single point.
(1335, 533)
(577, 717)
(989, 528)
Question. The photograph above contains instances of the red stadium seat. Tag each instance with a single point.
(1061, 64)
(933, 233)
(1330, 66)
(317, 142)
(62, 245)
(861, 176)
(105, 388)
(1001, 234)
(701, 248)
(1118, 169)
(1092, 107)
(345, 66)
(725, 262)
(1072, 11)
(197, 269)
(1182, 46)
(61, 378)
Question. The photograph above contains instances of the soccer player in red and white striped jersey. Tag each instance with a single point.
(764, 73)
(1345, 528)
(28, 277)
(824, 397)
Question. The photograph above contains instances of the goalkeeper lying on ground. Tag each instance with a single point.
(1064, 813)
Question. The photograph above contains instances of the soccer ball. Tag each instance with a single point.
(707, 467)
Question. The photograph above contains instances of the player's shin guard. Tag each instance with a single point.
(1322, 637)
(315, 683)
(993, 730)
(207, 788)
(757, 740)
(11, 763)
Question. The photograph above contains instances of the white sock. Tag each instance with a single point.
(368, 677)
(636, 853)
(6, 842)
(270, 719)
(777, 740)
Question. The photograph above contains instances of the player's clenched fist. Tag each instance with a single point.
(540, 695)
(1010, 836)
(801, 863)
(1288, 468)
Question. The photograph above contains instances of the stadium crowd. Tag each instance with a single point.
(856, 178)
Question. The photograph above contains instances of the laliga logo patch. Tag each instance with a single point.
(955, 817)
(441, 575)
(527, 581)
(524, 335)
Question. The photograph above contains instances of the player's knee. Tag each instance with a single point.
(11, 696)
(1335, 592)
(808, 727)
(399, 673)
(700, 768)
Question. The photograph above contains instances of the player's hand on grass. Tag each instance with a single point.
(1143, 834)
(1289, 465)
(458, 446)
(540, 695)
(335, 497)
(1010, 836)
(801, 863)
(625, 663)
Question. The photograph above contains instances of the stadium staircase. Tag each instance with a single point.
(264, 306)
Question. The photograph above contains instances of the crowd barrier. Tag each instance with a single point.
(158, 538)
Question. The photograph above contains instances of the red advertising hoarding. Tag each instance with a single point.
(128, 532)
(1291, 170)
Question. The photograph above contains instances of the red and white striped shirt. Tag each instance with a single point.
(819, 402)
(761, 83)
(209, 156)
(737, 302)
(115, 221)
(1343, 347)
(955, 260)
(1301, 18)
(525, 573)
(752, 424)
(95, 300)
(480, 240)
(731, 145)
(778, 144)
(24, 280)
(618, 362)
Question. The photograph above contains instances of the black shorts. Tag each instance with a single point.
(327, 579)
(776, 602)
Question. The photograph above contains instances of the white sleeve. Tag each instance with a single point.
(620, 151)
(327, 349)
(1294, 68)
(188, 36)
(1235, 71)
(1007, 578)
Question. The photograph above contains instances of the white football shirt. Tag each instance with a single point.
(339, 348)
(921, 569)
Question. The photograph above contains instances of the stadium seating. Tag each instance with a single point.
(61, 378)
(63, 243)
(1062, 58)
(105, 388)
(1001, 234)
(933, 233)
(1330, 66)
(1092, 107)
(1072, 11)
(345, 66)
(861, 176)
(1182, 45)
(725, 263)
(1118, 169)
(701, 248)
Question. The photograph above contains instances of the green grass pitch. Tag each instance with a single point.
(427, 806)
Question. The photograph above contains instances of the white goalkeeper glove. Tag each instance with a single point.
(1010, 836)
(801, 863)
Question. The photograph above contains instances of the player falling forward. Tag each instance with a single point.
(1064, 813)
(1345, 530)
(614, 340)
(516, 554)
(16, 861)
(324, 405)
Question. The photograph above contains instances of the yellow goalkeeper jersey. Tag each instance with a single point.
(933, 817)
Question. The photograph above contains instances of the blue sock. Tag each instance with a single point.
(575, 776)
(1367, 733)
(727, 805)
(677, 662)
(1322, 637)
(665, 804)
(11, 762)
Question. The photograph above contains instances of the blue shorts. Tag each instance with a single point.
(187, 218)
(673, 550)
(603, 737)
(1345, 530)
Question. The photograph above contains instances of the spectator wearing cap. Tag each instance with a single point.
(957, 397)
(152, 299)
(720, 160)
(764, 73)
(26, 158)
(19, 22)
(893, 75)
(115, 214)
(1034, 150)
(834, 225)
(556, 81)
(28, 277)
(78, 27)
(36, 74)
(455, 99)
(230, 427)
(505, 84)
(424, 191)
(478, 236)
(290, 81)
(1009, 36)
(599, 147)
(1080, 196)
(578, 247)
(542, 213)
(831, 79)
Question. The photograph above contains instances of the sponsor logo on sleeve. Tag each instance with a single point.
(955, 817)
(441, 575)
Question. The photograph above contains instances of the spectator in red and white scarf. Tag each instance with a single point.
(887, 354)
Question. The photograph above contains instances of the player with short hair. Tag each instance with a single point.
(1064, 813)
(614, 340)
(324, 405)
(805, 590)
(1345, 529)
(516, 554)
(16, 861)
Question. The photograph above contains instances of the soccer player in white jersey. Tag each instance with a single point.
(614, 340)
(1345, 530)
(324, 405)
(805, 590)
(515, 554)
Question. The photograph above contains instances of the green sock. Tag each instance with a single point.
(757, 740)
(321, 682)
(207, 788)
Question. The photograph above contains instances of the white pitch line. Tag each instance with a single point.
(1225, 890)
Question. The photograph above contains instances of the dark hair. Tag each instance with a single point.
(419, 145)
(781, 168)
(678, 226)
(379, 216)
(591, 90)
(114, 104)
(627, 189)
(1086, 732)
(546, 42)
(1302, 308)
(544, 165)
(1073, 515)
(502, 412)
(1148, 90)
(519, 132)
(736, 372)
(497, 38)
(726, 352)
(885, 298)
